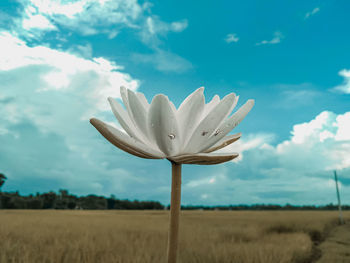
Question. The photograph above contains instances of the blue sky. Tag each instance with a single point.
(60, 60)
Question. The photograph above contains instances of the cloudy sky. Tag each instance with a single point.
(60, 60)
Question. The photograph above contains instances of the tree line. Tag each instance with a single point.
(64, 200)
(286, 207)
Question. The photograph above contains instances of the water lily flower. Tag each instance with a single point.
(187, 135)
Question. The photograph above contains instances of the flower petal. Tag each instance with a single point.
(124, 95)
(143, 100)
(163, 127)
(189, 113)
(208, 107)
(210, 123)
(124, 142)
(228, 125)
(124, 119)
(138, 111)
(172, 106)
(204, 158)
(227, 140)
(137, 114)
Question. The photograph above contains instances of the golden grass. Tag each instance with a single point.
(141, 236)
(336, 247)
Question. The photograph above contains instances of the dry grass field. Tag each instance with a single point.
(141, 236)
(336, 248)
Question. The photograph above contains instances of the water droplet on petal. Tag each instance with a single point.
(204, 133)
(171, 136)
(217, 132)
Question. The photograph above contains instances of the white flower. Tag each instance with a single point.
(187, 135)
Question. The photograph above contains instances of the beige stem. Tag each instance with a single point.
(175, 206)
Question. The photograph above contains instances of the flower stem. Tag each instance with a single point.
(175, 206)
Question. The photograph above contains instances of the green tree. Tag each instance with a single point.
(49, 200)
(63, 193)
(2, 180)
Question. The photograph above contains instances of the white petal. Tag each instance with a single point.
(210, 123)
(227, 140)
(172, 106)
(138, 112)
(124, 95)
(204, 158)
(124, 119)
(124, 142)
(163, 126)
(143, 100)
(141, 132)
(228, 125)
(189, 114)
(208, 107)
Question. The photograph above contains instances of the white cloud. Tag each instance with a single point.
(294, 96)
(275, 40)
(46, 99)
(154, 27)
(345, 86)
(69, 9)
(302, 133)
(298, 170)
(81, 50)
(249, 142)
(343, 125)
(37, 22)
(231, 38)
(109, 17)
(86, 16)
(90, 17)
(164, 61)
(319, 145)
(201, 182)
(313, 12)
(179, 26)
(55, 71)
